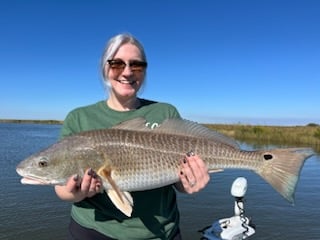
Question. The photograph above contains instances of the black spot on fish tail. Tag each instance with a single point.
(267, 156)
(282, 167)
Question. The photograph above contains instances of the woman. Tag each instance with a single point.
(155, 213)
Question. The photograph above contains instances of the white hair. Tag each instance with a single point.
(111, 49)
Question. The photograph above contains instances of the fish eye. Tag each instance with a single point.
(43, 162)
(267, 156)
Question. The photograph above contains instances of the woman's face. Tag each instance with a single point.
(126, 71)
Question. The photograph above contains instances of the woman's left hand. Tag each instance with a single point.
(194, 174)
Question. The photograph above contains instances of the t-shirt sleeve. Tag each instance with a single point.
(70, 125)
(173, 112)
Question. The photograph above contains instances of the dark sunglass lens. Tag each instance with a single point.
(138, 65)
(117, 64)
(135, 65)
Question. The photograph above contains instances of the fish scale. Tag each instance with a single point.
(132, 157)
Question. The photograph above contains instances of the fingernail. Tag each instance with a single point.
(76, 177)
(100, 188)
(90, 172)
(190, 153)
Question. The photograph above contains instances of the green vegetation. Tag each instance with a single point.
(30, 121)
(294, 136)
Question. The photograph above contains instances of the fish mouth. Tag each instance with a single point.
(33, 181)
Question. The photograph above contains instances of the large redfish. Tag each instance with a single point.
(133, 157)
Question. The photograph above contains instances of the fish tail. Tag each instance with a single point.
(281, 169)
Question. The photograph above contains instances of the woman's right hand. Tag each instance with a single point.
(77, 188)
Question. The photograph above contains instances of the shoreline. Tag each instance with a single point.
(307, 135)
(52, 121)
(49, 121)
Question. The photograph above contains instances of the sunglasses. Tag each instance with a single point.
(134, 65)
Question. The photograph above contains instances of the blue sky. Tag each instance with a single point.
(255, 62)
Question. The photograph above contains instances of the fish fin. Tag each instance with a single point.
(180, 127)
(122, 200)
(216, 170)
(281, 169)
(136, 124)
(193, 129)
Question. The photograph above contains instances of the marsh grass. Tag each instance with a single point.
(293, 136)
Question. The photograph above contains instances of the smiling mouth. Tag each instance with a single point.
(131, 82)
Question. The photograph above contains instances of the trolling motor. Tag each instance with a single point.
(237, 227)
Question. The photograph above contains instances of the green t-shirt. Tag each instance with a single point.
(155, 213)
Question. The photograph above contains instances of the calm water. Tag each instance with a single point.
(34, 212)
